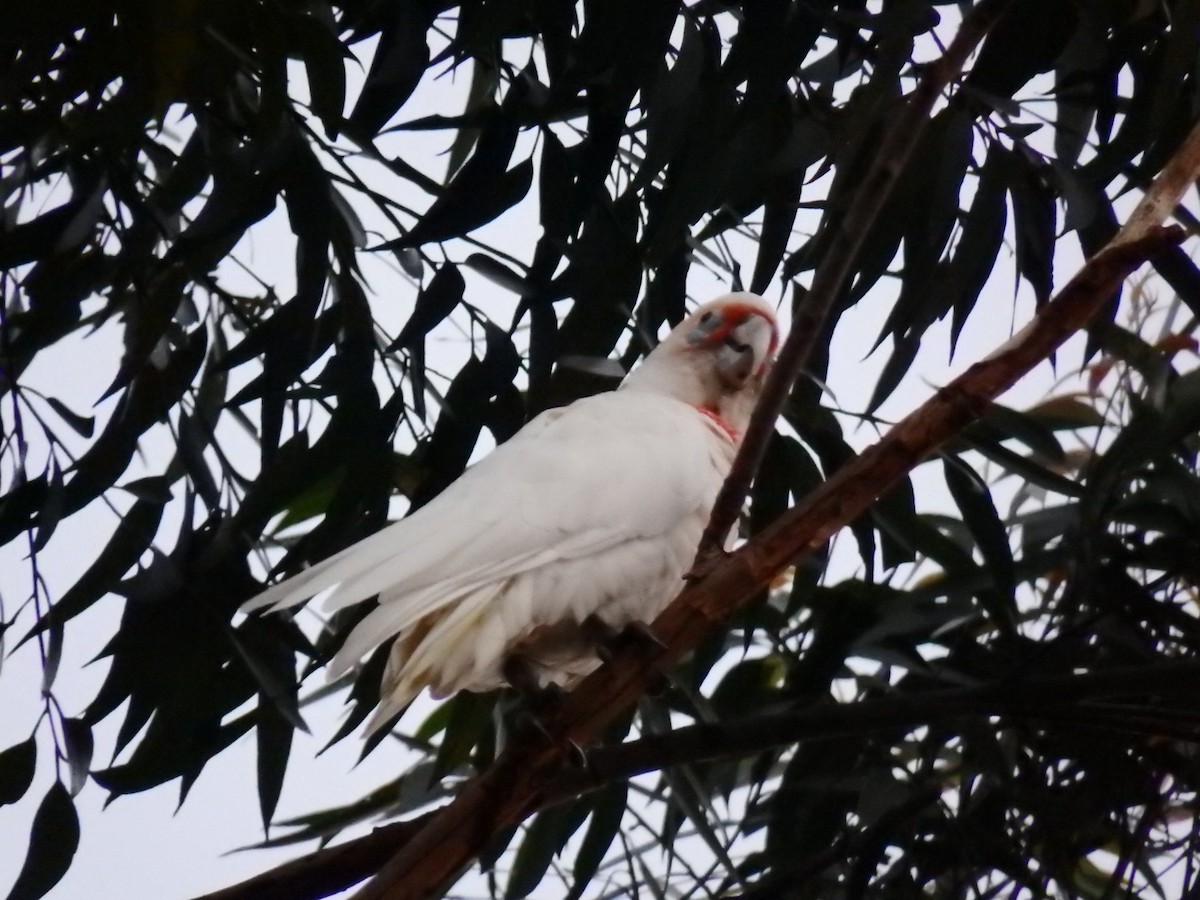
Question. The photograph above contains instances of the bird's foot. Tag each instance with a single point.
(599, 633)
(539, 700)
(642, 633)
(546, 697)
(609, 641)
(576, 755)
(524, 677)
(531, 723)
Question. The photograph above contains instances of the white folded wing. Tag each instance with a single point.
(595, 508)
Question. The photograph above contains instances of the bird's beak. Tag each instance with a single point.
(741, 338)
(754, 340)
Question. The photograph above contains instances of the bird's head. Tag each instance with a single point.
(715, 359)
(738, 334)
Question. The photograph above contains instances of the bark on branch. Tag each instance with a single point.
(518, 782)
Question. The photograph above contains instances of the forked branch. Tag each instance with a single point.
(518, 782)
(525, 776)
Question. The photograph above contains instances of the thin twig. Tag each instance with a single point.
(829, 281)
(8, 381)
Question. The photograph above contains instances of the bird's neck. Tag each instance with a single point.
(677, 378)
(732, 433)
(697, 388)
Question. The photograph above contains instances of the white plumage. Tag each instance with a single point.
(591, 509)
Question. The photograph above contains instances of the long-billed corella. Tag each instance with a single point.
(591, 513)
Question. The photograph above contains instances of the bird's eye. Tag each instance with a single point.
(707, 317)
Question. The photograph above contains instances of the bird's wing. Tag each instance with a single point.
(606, 469)
(411, 550)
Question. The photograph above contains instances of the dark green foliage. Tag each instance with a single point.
(53, 840)
(17, 765)
(631, 144)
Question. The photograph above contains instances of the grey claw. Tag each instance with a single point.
(576, 755)
(643, 632)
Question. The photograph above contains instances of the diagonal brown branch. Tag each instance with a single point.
(529, 775)
(517, 783)
(850, 230)
(326, 871)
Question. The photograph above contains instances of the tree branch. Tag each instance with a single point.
(1056, 698)
(516, 784)
(850, 230)
(326, 871)
(1160, 201)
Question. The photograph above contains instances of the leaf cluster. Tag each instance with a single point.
(143, 146)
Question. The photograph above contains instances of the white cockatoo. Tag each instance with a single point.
(591, 513)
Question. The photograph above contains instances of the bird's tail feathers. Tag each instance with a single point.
(459, 647)
(390, 706)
